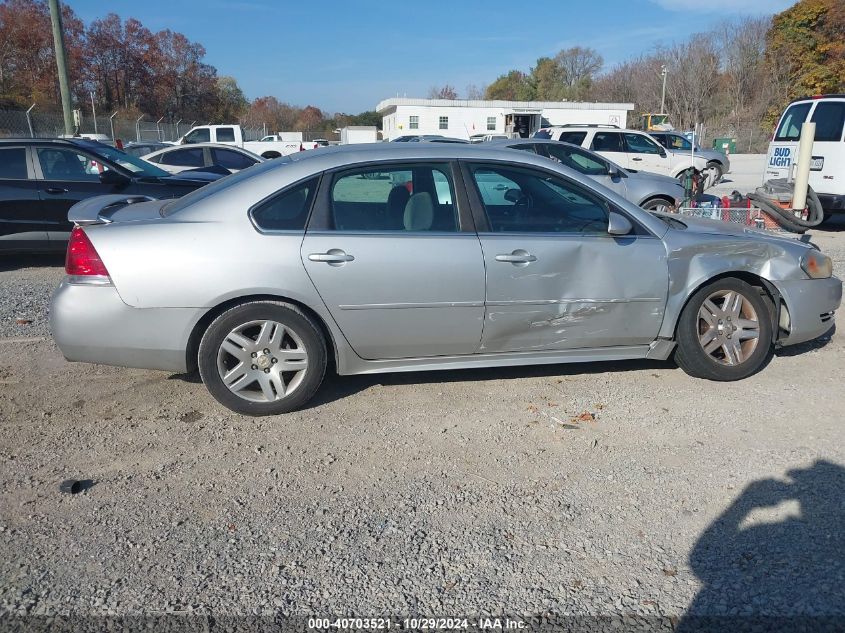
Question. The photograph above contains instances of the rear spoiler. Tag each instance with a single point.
(99, 209)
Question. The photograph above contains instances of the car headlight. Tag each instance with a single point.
(817, 265)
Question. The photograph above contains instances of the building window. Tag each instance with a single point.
(491, 123)
(414, 123)
(444, 123)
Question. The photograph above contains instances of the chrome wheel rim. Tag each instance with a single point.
(262, 361)
(728, 327)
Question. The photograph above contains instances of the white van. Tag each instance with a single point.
(827, 167)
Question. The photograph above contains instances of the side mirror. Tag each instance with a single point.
(112, 177)
(183, 140)
(615, 172)
(662, 152)
(618, 224)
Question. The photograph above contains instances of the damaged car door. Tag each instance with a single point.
(556, 278)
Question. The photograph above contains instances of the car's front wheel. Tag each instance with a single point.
(725, 332)
(657, 204)
(717, 170)
(262, 358)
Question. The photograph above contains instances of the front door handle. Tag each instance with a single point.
(517, 257)
(55, 190)
(333, 256)
(636, 159)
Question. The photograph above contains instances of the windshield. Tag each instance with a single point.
(131, 164)
(219, 185)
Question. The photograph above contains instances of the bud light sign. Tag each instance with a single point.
(781, 157)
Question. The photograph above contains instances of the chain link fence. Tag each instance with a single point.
(34, 124)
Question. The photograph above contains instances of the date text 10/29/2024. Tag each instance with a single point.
(418, 624)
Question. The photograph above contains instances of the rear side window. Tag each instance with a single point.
(13, 163)
(411, 198)
(183, 158)
(578, 159)
(607, 142)
(225, 135)
(286, 211)
(829, 117)
(544, 134)
(202, 135)
(790, 124)
(576, 138)
(231, 159)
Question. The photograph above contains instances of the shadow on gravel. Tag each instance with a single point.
(18, 262)
(338, 387)
(775, 560)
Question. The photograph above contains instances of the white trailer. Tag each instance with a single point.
(358, 134)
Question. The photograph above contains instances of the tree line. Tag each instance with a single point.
(131, 69)
(734, 79)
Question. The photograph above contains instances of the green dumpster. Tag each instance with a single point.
(725, 145)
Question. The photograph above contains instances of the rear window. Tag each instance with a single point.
(829, 117)
(790, 125)
(13, 163)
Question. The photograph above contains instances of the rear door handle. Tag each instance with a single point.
(635, 158)
(333, 256)
(519, 256)
(55, 190)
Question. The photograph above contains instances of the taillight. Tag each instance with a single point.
(82, 258)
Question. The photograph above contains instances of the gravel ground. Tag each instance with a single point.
(593, 489)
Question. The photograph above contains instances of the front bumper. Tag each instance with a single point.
(810, 304)
(832, 203)
(92, 324)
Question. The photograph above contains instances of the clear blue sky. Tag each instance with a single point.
(347, 55)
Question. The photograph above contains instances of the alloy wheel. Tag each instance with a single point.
(262, 361)
(728, 327)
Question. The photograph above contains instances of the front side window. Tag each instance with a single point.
(394, 198)
(790, 124)
(13, 163)
(225, 135)
(577, 159)
(443, 123)
(414, 123)
(287, 211)
(67, 164)
(231, 159)
(677, 142)
(829, 117)
(641, 144)
(184, 158)
(607, 142)
(202, 135)
(491, 123)
(526, 201)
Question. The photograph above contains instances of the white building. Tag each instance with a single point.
(462, 119)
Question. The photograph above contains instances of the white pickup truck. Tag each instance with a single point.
(268, 147)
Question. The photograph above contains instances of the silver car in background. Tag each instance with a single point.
(419, 256)
(652, 192)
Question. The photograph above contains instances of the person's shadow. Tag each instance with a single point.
(775, 560)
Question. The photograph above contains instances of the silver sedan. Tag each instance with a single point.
(407, 257)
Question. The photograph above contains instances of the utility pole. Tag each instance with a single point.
(663, 73)
(61, 64)
(93, 112)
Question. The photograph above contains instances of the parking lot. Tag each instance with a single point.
(586, 489)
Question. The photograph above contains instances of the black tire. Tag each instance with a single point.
(655, 203)
(309, 336)
(718, 169)
(690, 354)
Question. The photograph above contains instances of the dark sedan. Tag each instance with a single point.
(40, 179)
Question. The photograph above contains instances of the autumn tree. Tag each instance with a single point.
(230, 103)
(443, 92)
(514, 86)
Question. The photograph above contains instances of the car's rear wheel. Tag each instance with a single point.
(657, 204)
(262, 358)
(725, 332)
(717, 170)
